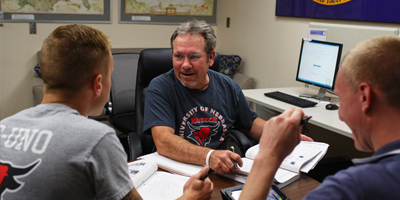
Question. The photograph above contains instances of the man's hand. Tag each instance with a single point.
(282, 133)
(221, 161)
(196, 188)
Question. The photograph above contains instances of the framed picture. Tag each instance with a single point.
(77, 11)
(167, 11)
(360, 10)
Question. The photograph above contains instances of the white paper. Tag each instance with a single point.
(247, 164)
(22, 16)
(299, 156)
(152, 184)
(319, 146)
(283, 175)
(141, 170)
(173, 165)
(163, 185)
(303, 146)
(236, 194)
(313, 151)
(141, 18)
(252, 151)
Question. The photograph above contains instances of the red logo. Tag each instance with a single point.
(202, 134)
(8, 174)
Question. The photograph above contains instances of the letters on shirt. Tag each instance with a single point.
(22, 139)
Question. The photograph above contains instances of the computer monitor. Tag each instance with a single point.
(318, 65)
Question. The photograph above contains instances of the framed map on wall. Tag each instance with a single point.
(167, 11)
(86, 11)
(360, 10)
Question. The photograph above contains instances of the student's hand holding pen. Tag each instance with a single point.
(280, 136)
(223, 161)
(195, 188)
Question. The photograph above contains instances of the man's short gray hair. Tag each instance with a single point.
(197, 28)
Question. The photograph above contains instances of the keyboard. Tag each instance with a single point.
(303, 103)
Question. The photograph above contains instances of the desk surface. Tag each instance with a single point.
(327, 119)
(296, 190)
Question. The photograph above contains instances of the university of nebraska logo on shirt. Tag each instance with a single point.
(8, 174)
(202, 134)
(203, 125)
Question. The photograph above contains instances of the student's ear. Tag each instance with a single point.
(365, 92)
(97, 86)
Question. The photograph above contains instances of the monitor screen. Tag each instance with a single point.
(319, 63)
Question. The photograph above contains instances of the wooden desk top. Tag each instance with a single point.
(295, 191)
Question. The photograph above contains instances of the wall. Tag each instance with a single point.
(269, 45)
(18, 53)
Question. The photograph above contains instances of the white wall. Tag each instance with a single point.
(18, 53)
(269, 45)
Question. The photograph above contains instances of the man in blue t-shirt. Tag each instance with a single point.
(191, 109)
(369, 90)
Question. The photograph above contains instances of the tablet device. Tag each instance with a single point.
(232, 193)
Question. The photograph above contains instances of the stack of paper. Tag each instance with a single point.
(303, 158)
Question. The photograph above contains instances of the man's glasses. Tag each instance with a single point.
(191, 56)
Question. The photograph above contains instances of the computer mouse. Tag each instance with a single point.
(331, 106)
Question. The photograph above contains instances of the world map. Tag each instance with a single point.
(170, 7)
(53, 6)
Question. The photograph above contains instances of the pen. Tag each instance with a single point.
(234, 162)
(202, 178)
(305, 120)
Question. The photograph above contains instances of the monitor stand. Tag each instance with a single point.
(320, 96)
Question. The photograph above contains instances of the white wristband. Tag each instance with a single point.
(208, 158)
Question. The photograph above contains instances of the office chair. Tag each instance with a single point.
(153, 62)
(121, 106)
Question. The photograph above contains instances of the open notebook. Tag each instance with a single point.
(152, 184)
(303, 158)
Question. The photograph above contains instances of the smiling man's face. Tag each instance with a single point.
(192, 74)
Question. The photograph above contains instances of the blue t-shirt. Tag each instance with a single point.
(201, 117)
(377, 177)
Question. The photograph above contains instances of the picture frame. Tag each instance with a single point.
(19, 16)
(169, 17)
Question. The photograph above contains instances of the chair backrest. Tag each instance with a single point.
(153, 62)
(123, 85)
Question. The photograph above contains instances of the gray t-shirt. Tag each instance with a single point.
(51, 152)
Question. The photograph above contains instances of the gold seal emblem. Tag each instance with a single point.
(331, 2)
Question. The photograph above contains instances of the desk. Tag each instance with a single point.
(295, 190)
(324, 126)
(327, 119)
